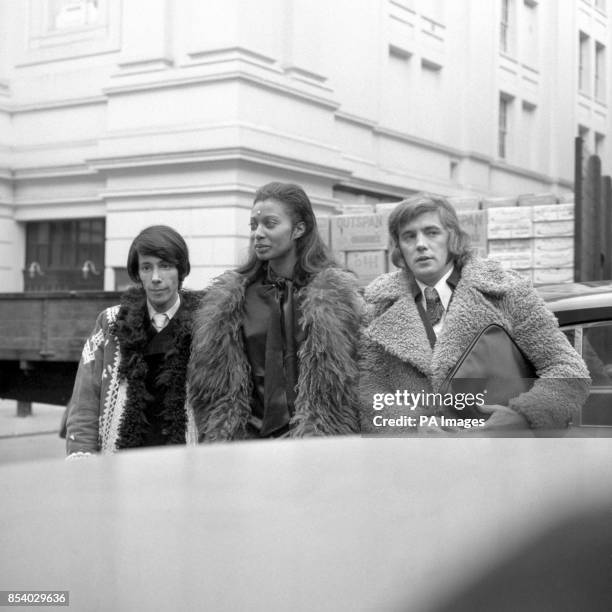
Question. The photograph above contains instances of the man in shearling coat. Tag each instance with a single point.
(421, 319)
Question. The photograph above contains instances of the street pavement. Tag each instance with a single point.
(30, 438)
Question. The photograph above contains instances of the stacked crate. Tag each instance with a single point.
(324, 228)
(553, 243)
(509, 233)
(385, 208)
(532, 234)
(474, 222)
(360, 243)
(535, 238)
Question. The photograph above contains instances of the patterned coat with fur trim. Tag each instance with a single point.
(396, 354)
(219, 378)
(106, 411)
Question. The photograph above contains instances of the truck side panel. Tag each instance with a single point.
(50, 326)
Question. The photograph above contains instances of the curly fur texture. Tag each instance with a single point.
(130, 330)
(396, 353)
(219, 376)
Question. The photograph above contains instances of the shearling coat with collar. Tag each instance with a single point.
(219, 377)
(396, 353)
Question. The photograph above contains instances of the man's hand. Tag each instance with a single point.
(502, 417)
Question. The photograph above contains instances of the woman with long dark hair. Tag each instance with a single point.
(274, 349)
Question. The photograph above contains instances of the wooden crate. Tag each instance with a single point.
(510, 222)
(359, 232)
(367, 264)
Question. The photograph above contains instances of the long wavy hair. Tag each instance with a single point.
(411, 208)
(312, 253)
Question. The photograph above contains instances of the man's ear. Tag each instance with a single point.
(298, 230)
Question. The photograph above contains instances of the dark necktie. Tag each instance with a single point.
(435, 310)
(278, 383)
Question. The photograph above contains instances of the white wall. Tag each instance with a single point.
(177, 110)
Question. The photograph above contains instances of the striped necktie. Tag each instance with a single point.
(435, 310)
(160, 321)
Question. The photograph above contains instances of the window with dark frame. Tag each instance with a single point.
(599, 144)
(583, 62)
(600, 72)
(504, 26)
(584, 134)
(593, 341)
(64, 255)
(504, 103)
(72, 14)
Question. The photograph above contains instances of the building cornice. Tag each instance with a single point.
(233, 75)
(526, 173)
(59, 201)
(112, 196)
(233, 53)
(37, 172)
(16, 108)
(189, 128)
(67, 208)
(355, 119)
(388, 132)
(451, 151)
(262, 158)
(427, 144)
(145, 199)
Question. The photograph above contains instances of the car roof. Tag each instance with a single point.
(566, 296)
(579, 302)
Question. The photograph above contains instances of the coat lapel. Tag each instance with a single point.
(400, 331)
(470, 311)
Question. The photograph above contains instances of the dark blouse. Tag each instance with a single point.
(272, 336)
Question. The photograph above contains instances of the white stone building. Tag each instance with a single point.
(118, 114)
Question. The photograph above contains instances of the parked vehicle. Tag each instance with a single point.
(41, 339)
(584, 312)
(42, 335)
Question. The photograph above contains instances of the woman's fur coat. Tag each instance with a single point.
(219, 376)
(396, 354)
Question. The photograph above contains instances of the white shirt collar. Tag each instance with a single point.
(442, 287)
(169, 313)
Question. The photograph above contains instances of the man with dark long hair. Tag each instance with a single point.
(275, 342)
(130, 386)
